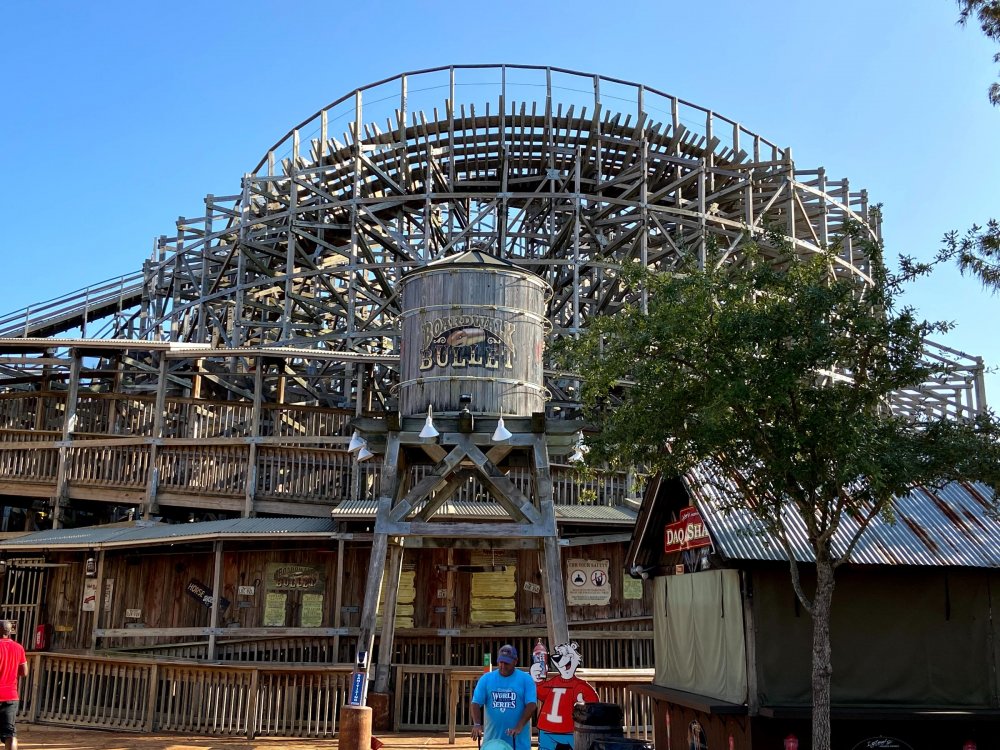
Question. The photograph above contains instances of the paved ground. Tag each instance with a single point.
(35, 737)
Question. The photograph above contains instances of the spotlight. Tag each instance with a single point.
(364, 454)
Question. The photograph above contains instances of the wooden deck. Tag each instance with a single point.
(37, 737)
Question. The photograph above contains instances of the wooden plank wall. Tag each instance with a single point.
(154, 581)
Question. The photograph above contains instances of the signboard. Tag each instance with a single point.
(89, 595)
(294, 577)
(246, 590)
(133, 614)
(109, 589)
(274, 609)
(882, 743)
(532, 588)
(492, 596)
(467, 341)
(312, 611)
(589, 584)
(203, 594)
(687, 533)
(357, 688)
(631, 587)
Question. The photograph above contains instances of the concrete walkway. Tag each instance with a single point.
(36, 737)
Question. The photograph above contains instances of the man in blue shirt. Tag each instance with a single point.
(504, 702)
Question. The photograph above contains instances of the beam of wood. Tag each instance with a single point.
(503, 483)
(391, 588)
(216, 595)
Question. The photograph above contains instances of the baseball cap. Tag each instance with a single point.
(507, 654)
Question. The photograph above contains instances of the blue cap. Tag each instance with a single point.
(507, 655)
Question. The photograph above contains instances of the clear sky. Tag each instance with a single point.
(118, 117)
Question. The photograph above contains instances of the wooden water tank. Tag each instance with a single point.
(472, 324)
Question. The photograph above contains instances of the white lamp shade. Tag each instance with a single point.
(429, 430)
(364, 454)
(501, 433)
(357, 443)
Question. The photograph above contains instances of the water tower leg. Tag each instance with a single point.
(552, 575)
(385, 647)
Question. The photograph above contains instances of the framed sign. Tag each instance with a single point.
(687, 533)
(589, 583)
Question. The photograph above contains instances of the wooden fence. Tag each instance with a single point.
(144, 695)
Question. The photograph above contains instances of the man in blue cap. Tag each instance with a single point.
(504, 702)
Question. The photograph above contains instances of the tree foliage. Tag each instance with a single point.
(782, 374)
(987, 14)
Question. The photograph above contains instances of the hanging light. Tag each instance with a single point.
(357, 443)
(501, 433)
(364, 454)
(429, 430)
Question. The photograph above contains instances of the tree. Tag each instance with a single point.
(782, 374)
(978, 250)
(987, 12)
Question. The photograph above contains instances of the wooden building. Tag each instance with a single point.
(914, 635)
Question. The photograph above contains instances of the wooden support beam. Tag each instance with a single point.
(390, 587)
(216, 595)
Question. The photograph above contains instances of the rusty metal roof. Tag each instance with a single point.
(478, 510)
(950, 526)
(137, 534)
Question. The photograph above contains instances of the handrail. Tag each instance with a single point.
(87, 302)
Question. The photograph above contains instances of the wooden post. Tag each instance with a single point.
(355, 731)
(216, 595)
(150, 506)
(390, 586)
(376, 565)
(338, 598)
(68, 427)
(98, 603)
(552, 575)
(250, 488)
(149, 723)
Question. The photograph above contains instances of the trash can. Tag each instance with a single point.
(620, 743)
(596, 721)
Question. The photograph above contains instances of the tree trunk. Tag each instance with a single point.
(822, 666)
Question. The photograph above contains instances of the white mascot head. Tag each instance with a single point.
(566, 658)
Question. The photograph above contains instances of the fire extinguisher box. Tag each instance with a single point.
(43, 636)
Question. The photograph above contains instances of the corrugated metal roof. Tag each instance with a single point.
(95, 537)
(488, 511)
(952, 526)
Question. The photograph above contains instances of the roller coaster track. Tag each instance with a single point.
(75, 310)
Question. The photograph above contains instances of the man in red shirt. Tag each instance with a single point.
(13, 664)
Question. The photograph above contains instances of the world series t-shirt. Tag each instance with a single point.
(503, 700)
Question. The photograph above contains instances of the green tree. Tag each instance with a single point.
(978, 251)
(987, 13)
(782, 375)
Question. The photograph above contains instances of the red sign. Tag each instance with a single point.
(688, 533)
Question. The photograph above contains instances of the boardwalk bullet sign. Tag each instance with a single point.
(687, 533)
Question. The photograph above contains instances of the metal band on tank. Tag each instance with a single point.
(489, 308)
(464, 379)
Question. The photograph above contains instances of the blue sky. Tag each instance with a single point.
(119, 117)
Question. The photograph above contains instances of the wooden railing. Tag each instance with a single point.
(221, 467)
(146, 695)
